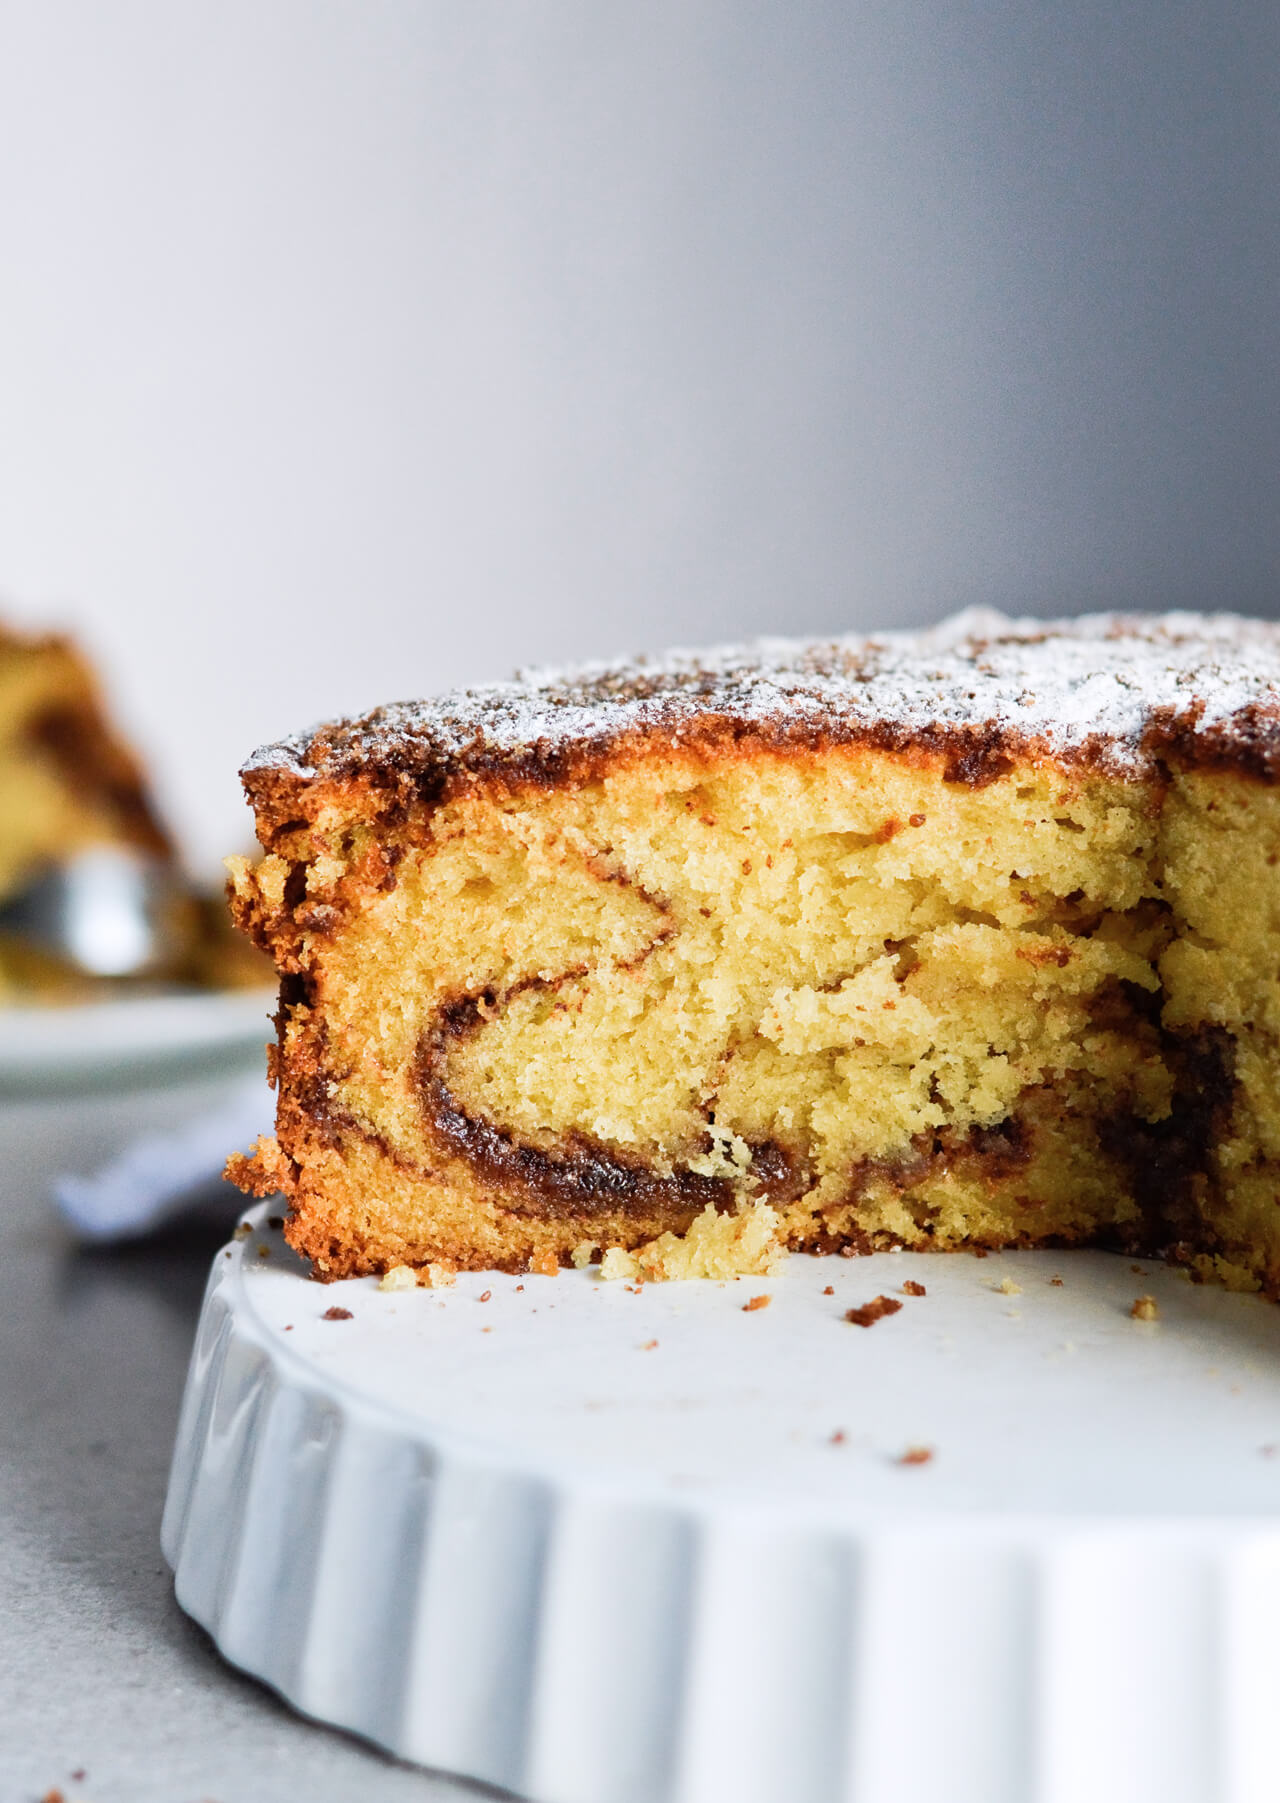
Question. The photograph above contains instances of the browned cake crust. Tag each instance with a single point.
(1126, 709)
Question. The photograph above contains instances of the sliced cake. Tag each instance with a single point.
(969, 937)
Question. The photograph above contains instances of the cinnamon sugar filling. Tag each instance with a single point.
(901, 1009)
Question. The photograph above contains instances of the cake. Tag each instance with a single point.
(70, 783)
(67, 779)
(961, 938)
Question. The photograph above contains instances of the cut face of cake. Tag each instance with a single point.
(963, 938)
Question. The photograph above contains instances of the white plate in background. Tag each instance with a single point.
(131, 1039)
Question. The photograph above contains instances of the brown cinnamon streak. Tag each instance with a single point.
(580, 1175)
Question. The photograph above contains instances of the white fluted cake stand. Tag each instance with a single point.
(597, 1545)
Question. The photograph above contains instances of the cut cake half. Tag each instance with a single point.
(969, 937)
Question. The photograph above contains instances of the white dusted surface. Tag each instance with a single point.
(515, 1538)
(351, 352)
(1096, 684)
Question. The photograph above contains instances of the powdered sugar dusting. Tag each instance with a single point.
(1097, 683)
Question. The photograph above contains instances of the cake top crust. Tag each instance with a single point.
(1115, 691)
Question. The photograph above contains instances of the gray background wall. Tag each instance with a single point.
(355, 348)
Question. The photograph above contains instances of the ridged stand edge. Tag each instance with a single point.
(575, 1644)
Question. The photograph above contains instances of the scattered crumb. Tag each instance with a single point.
(912, 1288)
(486, 1330)
(544, 1264)
(243, 1230)
(399, 1277)
(53, 1796)
(1137, 1270)
(744, 1244)
(916, 1455)
(275, 1221)
(583, 1254)
(871, 1312)
(438, 1277)
(1056, 1282)
(519, 1287)
(484, 1295)
(289, 1327)
(337, 1314)
(830, 1290)
(79, 1775)
(1145, 1308)
(264, 1252)
(1007, 1287)
(979, 1251)
(838, 1438)
(649, 1346)
(756, 1302)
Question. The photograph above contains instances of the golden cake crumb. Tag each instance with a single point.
(744, 1244)
(755, 1303)
(912, 1288)
(1007, 1287)
(399, 1277)
(916, 1455)
(1145, 1308)
(583, 1254)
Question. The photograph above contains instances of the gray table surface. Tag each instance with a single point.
(101, 1674)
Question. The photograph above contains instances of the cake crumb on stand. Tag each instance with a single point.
(873, 1311)
(743, 1244)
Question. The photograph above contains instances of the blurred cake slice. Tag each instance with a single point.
(67, 780)
(969, 937)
